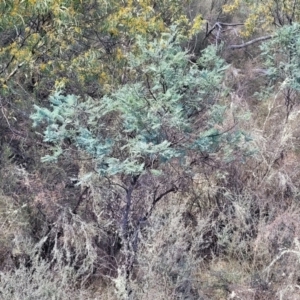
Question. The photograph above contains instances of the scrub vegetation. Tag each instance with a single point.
(149, 149)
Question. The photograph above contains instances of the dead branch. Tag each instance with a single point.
(262, 38)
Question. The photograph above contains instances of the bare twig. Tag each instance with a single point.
(14, 71)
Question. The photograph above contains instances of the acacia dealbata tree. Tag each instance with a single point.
(145, 138)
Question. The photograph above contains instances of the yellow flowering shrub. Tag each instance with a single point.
(82, 39)
(264, 14)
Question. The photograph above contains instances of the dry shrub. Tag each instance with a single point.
(262, 216)
(49, 248)
(42, 281)
(277, 244)
(172, 248)
(12, 221)
(64, 264)
(186, 255)
(84, 245)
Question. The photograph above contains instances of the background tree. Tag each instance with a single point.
(66, 39)
(265, 15)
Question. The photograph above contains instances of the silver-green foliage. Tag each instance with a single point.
(167, 107)
(282, 58)
(282, 55)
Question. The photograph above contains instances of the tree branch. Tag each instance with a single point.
(262, 38)
(80, 199)
(218, 25)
